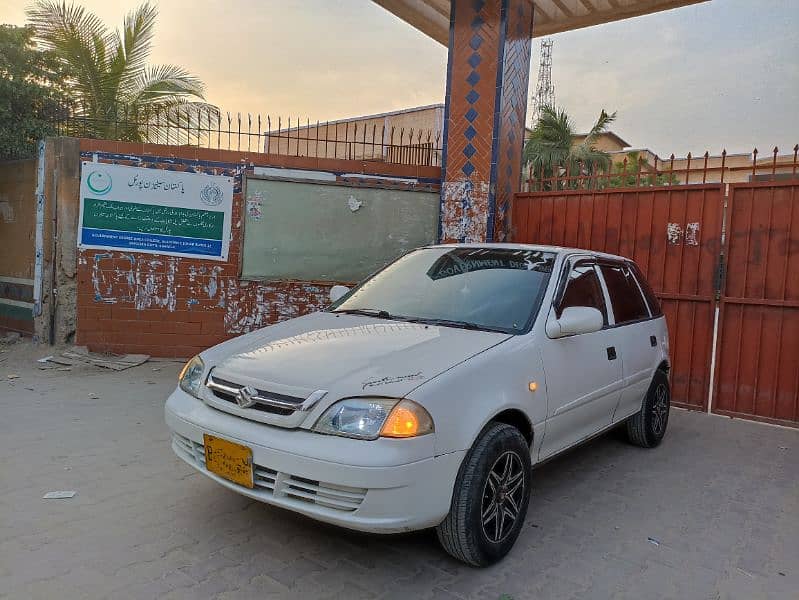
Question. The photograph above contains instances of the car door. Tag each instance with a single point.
(635, 335)
(583, 372)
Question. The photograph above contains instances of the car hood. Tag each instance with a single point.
(346, 355)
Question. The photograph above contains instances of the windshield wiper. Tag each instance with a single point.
(457, 323)
(367, 312)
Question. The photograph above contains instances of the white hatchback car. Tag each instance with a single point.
(424, 396)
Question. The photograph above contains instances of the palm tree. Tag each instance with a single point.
(117, 95)
(550, 150)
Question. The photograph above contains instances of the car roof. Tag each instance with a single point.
(563, 250)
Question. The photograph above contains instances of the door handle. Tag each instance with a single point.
(653, 341)
(611, 352)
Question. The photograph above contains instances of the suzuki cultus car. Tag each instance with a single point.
(424, 396)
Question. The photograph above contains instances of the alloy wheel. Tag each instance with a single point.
(660, 410)
(502, 497)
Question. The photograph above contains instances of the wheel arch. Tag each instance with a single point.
(515, 418)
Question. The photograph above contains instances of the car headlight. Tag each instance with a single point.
(370, 418)
(191, 376)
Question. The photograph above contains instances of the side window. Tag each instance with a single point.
(649, 294)
(583, 289)
(625, 296)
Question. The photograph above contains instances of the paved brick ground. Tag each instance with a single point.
(720, 499)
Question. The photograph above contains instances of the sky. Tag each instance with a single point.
(723, 74)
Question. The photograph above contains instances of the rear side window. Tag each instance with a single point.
(649, 294)
(625, 296)
(583, 289)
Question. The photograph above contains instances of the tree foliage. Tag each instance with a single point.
(551, 152)
(31, 93)
(637, 171)
(116, 93)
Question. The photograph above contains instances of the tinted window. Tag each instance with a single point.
(625, 297)
(492, 288)
(649, 294)
(583, 289)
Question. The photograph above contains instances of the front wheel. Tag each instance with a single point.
(647, 427)
(489, 502)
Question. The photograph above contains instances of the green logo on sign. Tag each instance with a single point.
(99, 182)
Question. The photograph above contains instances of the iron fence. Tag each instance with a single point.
(210, 128)
(638, 169)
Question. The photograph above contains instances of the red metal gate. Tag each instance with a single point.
(757, 358)
(672, 232)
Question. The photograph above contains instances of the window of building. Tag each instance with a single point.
(625, 296)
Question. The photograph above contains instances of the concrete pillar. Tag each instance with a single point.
(486, 107)
(55, 323)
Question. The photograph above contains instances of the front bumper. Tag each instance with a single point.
(380, 486)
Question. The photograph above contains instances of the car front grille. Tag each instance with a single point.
(226, 390)
(271, 483)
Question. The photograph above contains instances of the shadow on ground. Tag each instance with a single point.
(712, 513)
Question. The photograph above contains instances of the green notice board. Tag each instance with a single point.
(152, 218)
(324, 232)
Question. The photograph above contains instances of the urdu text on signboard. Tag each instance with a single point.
(155, 211)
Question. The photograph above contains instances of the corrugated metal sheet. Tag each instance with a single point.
(757, 373)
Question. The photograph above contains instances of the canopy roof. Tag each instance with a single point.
(551, 16)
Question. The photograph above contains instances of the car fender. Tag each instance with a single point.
(464, 398)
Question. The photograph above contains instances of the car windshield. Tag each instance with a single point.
(496, 289)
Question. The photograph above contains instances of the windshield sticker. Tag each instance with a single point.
(395, 379)
(457, 262)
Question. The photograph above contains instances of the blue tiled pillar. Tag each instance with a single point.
(486, 106)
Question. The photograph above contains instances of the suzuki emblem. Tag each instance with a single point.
(245, 397)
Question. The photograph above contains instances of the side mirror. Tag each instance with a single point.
(574, 321)
(337, 291)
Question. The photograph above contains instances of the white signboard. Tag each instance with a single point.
(155, 211)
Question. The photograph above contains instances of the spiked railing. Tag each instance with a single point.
(207, 127)
(635, 170)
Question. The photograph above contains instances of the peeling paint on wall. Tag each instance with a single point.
(464, 209)
(212, 287)
(675, 234)
(254, 305)
(179, 306)
(102, 281)
(155, 283)
(354, 203)
(146, 282)
(692, 234)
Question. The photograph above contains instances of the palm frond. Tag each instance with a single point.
(77, 38)
(164, 83)
(109, 77)
(600, 127)
(132, 46)
(548, 147)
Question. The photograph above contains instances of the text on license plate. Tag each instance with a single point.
(229, 460)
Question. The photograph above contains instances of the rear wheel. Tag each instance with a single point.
(489, 502)
(647, 427)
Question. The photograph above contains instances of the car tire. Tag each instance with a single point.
(492, 486)
(647, 427)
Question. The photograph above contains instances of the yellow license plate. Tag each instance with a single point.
(229, 460)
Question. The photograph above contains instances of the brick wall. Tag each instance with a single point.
(176, 307)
